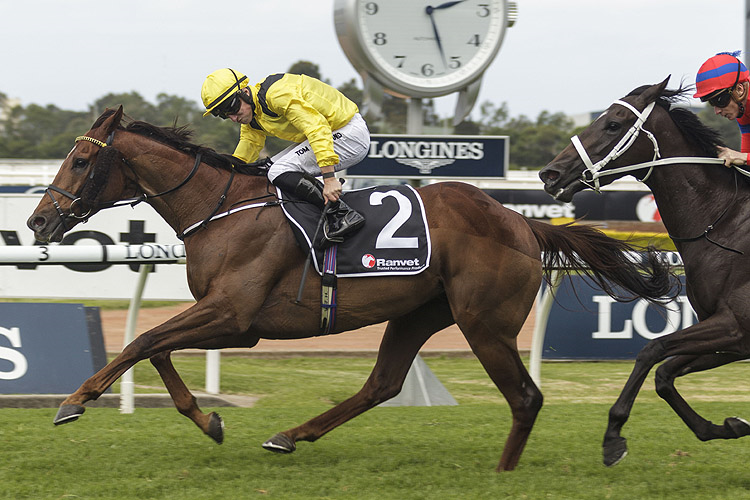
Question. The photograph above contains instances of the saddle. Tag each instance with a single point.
(394, 241)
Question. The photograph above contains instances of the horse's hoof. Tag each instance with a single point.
(280, 443)
(216, 428)
(68, 413)
(615, 451)
(739, 426)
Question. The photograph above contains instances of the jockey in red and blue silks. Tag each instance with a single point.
(723, 81)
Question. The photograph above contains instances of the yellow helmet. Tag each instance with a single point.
(220, 85)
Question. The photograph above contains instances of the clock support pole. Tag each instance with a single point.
(414, 117)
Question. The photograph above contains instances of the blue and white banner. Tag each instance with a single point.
(586, 323)
(430, 157)
(48, 348)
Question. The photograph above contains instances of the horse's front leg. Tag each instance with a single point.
(207, 319)
(705, 337)
(211, 424)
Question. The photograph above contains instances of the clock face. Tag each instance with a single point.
(427, 48)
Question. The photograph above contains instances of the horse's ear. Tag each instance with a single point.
(115, 120)
(108, 121)
(653, 92)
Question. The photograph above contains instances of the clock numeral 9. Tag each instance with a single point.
(371, 8)
(379, 39)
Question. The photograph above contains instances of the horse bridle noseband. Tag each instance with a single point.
(594, 170)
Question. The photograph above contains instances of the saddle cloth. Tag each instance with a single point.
(394, 240)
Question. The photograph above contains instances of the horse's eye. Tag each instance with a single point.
(613, 126)
(80, 163)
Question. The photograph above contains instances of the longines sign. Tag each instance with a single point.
(444, 156)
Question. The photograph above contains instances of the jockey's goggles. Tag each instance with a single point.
(721, 98)
(229, 107)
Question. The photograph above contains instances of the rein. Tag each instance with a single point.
(711, 226)
(595, 169)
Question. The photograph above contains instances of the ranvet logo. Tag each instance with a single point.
(368, 260)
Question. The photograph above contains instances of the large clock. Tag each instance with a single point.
(418, 48)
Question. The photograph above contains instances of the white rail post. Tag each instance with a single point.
(127, 392)
(545, 298)
(212, 371)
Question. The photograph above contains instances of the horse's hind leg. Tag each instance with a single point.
(679, 366)
(401, 342)
(708, 337)
(184, 401)
(499, 357)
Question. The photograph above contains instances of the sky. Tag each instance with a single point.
(573, 56)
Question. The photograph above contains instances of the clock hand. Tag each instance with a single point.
(447, 4)
(429, 10)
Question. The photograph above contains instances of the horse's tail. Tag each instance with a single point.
(606, 261)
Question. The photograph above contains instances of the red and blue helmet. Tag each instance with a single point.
(722, 71)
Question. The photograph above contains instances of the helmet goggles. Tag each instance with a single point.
(230, 106)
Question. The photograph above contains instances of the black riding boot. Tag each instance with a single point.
(341, 219)
(302, 186)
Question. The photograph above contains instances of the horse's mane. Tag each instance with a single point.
(179, 138)
(694, 130)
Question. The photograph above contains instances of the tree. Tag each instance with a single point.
(533, 144)
(305, 68)
(134, 105)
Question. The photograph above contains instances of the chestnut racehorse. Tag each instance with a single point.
(703, 206)
(245, 269)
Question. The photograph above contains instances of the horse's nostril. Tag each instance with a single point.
(549, 176)
(38, 221)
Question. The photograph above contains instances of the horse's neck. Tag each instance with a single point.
(198, 197)
(691, 197)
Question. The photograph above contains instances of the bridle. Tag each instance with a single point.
(78, 199)
(590, 176)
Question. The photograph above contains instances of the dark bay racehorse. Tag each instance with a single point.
(706, 210)
(244, 271)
